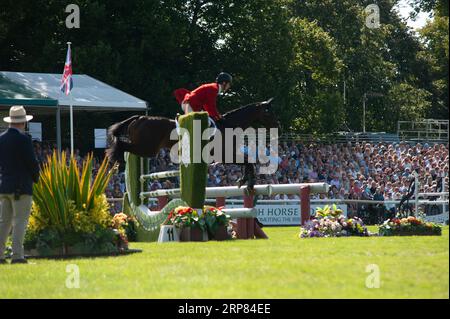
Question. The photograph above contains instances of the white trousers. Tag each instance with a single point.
(186, 108)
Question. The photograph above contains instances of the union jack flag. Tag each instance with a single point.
(66, 80)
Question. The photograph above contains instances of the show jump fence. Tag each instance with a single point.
(137, 195)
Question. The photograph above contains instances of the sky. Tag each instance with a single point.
(404, 10)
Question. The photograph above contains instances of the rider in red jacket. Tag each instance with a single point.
(204, 97)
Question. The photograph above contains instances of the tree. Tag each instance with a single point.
(374, 60)
(438, 6)
(303, 53)
(413, 103)
(253, 43)
(316, 70)
(435, 35)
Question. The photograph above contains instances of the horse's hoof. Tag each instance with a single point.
(240, 182)
(249, 190)
(251, 186)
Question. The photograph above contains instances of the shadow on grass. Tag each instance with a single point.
(92, 255)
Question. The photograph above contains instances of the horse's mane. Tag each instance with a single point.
(241, 109)
(158, 118)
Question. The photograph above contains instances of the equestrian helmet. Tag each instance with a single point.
(224, 77)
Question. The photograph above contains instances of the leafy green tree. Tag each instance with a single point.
(374, 60)
(438, 6)
(413, 103)
(316, 69)
(435, 35)
(253, 43)
(317, 58)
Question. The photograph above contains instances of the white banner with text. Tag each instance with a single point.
(283, 214)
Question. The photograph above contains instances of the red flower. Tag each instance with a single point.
(185, 211)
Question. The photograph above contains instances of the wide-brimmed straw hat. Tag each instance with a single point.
(17, 114)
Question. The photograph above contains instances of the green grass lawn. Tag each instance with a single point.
(281, 267)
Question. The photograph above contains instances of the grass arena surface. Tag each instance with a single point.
(282, 267)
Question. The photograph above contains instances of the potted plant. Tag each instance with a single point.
(192, 226)
(216, 223)
(119, 224)
(70, 213)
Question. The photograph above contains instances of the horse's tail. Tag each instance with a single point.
(116, 146)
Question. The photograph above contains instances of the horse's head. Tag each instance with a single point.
(265, 115)
(252, 115)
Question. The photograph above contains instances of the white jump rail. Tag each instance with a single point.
(443, 194)
(233, 212)
(159, 175)
(233, 191)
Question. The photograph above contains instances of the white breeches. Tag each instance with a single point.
(186, 108)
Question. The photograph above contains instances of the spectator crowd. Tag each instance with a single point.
(371, 171)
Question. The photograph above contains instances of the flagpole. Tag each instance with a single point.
(71, 111)
(71, 125)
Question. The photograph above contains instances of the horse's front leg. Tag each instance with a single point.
(242, 180)
(251, 176)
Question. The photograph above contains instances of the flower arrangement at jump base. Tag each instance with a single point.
(184, 216)
(125, 226)
(196, 227)
(330, 222)
(70, 213)
(191, 225)
(409, 226)
(119, 225)
(217, 222)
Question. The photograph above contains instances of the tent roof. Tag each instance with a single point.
(12, 93)
(87, 93)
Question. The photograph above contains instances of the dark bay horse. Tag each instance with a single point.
(146, 135)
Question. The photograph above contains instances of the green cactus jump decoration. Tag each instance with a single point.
(193, 168)
(193, 178)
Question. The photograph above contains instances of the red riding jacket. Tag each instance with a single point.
(202, 98)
